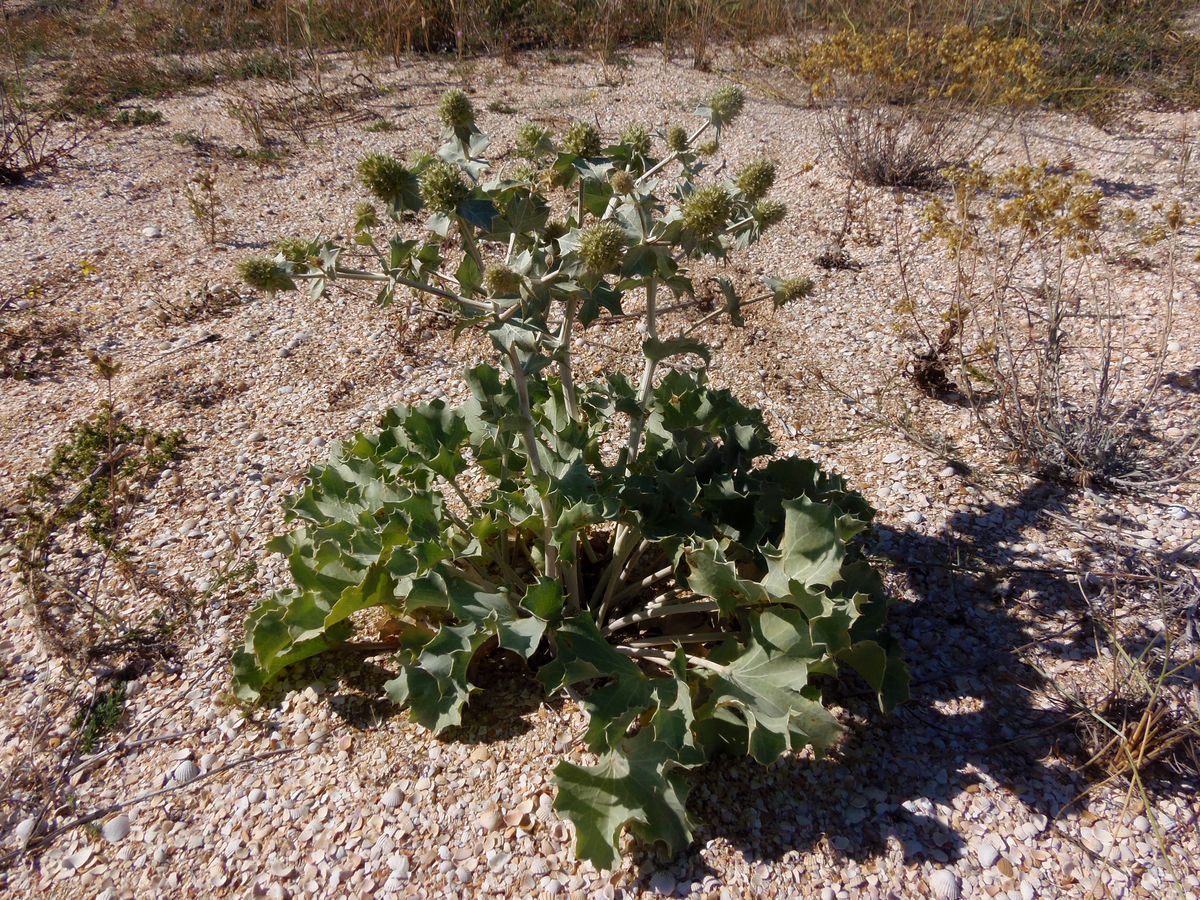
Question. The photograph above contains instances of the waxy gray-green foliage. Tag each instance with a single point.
(624, 536)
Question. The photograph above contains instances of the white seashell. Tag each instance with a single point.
(24, 830)
(208, 761)
(186, 771)
(116, 829)
(944, 884)
(545, 810)
(78, 859)
(392, 798)
(560, 832)
(987, 854)
(539, 867)
(491, 820)
(514, 818)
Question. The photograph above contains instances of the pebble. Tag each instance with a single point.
(256, 437)
(152, 231)
(892, 458)
(914, 518)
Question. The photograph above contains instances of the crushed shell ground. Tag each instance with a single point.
(326, 789)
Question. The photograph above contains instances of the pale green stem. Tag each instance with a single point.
(665, 640)
(644, 583)
(662, 612)
(699, 323)
(665, 662)
(564, 364)
(535, 461)
(624, 542)
(469, 245)
(647, 382)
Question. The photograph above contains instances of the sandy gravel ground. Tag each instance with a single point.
(976, 776)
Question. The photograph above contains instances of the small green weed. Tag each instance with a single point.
(86, 461)
(138, 117)
(380, 126)
(260, 64)
(101, 718)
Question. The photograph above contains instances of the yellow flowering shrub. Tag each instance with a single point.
(908, 66)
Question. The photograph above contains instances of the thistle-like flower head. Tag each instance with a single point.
(601, 247)
(384, 176)
(792, 289)
(727, 102)
(622, 182)
(502, 281)
(265, 274)
(442, 187)
(756, 178)
(637, 138)
(533, 141)
(706, 211)
(582, 139)
(769, 212)
(295, 250)
(677, 138)
(455, 110)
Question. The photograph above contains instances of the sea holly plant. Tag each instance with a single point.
(632, 537)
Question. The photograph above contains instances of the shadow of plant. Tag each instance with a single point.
(888, 791)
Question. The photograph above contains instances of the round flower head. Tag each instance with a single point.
(756, 178)
(265, 274)
(708, 148)
(442, 187)
(295, 250)
(637, 138)
(524, 172)
(793, 289)
(769, 212)
(502, 281)
(553, 231)
(677, 138)
(706, 211)
(601, 247)
(365, 215)
(533, 141)
(582, 139)
(455, 110)
(384, 176)
(727, 103)
(622, 182)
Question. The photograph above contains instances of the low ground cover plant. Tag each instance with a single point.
(633, 538)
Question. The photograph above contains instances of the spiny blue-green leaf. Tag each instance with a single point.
(435, 686)
(765, 685)
(637, 787)
(712, 575)
(810, 550)
(583, 654)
